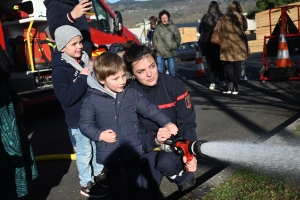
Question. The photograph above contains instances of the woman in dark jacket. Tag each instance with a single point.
(209, 50)
(171, 96)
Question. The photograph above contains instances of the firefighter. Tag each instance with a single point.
(170, 95)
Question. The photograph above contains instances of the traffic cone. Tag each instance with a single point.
(283, 58)
(199, 67)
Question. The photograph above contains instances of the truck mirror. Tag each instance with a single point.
(118, 22)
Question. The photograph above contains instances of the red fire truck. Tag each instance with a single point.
(24, 36)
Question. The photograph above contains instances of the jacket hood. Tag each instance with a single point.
(94, 84)
(48, 2)
(57, 61)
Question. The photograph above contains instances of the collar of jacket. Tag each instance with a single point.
(169, 23)
(149, 89)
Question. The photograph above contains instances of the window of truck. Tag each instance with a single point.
(98, 17)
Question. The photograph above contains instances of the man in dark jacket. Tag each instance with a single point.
(70, 12)
(166, 39)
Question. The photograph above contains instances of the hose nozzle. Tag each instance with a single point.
(195, 148)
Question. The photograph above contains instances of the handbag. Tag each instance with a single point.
(216, 37)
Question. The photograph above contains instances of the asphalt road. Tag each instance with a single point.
(259, 111)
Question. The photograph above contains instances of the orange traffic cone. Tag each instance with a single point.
(199, 67)
(283, 57)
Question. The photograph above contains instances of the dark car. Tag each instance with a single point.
(186, 51)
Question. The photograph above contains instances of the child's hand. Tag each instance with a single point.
(85, 71)
(172, 128)
(91, 64)
(108, 136)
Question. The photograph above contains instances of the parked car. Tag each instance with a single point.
(186, 51)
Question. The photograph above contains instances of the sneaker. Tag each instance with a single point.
(227, 90)
(187, 185)
(244, 78)
(101, 179)
(235, 90)
(212, 86)
(93, 191)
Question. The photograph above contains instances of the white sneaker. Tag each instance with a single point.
(244, 78)
(212, 86)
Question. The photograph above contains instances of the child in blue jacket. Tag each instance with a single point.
(70, 67)
(109, 116)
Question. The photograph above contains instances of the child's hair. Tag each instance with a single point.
(153, 21)
(108, 64)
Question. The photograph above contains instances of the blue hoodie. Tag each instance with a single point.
(102, 110)
(57, 11)
(69, 86)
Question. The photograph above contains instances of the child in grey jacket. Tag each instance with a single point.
(109, 116)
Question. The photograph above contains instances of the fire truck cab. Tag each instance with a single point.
(21, 26)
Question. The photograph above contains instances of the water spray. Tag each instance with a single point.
(270, 158)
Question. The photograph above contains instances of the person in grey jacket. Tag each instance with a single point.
(166, 39)
(109, 117)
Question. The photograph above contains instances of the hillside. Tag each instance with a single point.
(182, 11)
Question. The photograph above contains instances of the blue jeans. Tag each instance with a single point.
(86, 151)
(72, 138)
(170, 65)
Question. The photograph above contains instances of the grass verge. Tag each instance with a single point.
(245, 185)
(297, 130)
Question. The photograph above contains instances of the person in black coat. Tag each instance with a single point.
(70, 12)
(170, 95)
(209, 50)
(17, 164)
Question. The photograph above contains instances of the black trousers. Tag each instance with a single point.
(155, 165)
(214, 69)
(236, 72)
(133, 176)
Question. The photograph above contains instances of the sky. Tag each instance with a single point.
(114, 1)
